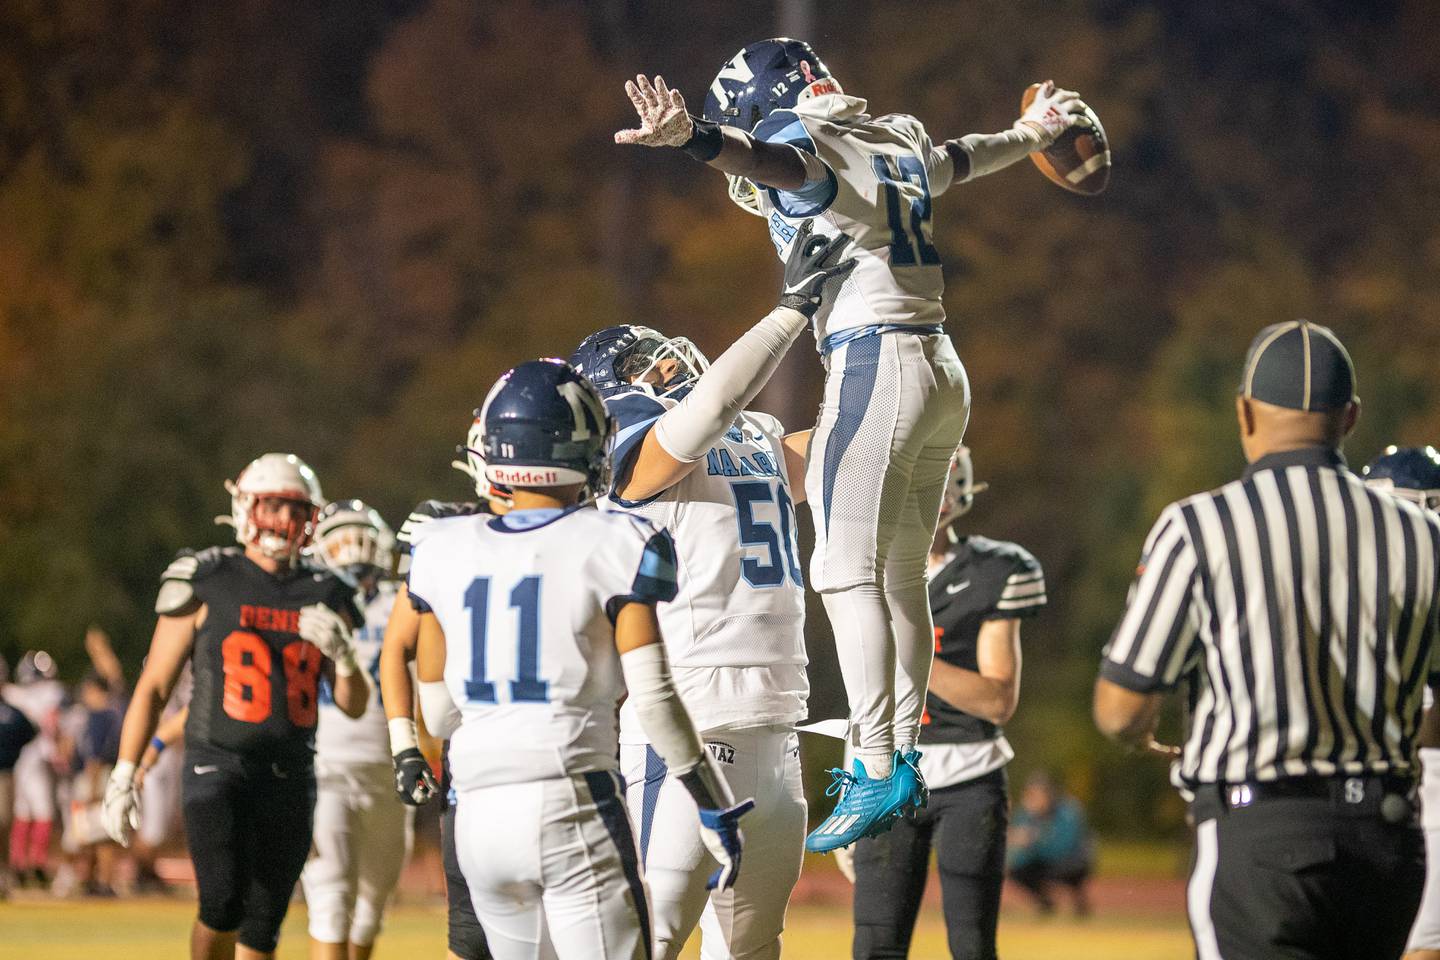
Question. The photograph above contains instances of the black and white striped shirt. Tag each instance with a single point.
(1300, 607)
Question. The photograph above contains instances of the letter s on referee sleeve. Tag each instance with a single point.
(1152, 644)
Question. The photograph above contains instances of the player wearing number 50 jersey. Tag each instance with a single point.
(896, 395)
(362, 835)
(260, 629)
(689, 457)
(536, 624)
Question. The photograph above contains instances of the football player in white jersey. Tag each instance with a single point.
(537, 623)
(690, 458)
(896, 396)
(362, 835)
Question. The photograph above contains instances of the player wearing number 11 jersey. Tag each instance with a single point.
(260, 629)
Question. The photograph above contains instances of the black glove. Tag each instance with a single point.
(815, 269)
(413, 779)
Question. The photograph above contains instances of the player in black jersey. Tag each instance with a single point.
(258, 628)
(414, 781)
(979, 591)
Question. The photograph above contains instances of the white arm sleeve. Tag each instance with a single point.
(442, 717)
(688, 430)
(668, 727)
(990, 152)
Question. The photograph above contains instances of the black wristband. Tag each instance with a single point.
(705, 140)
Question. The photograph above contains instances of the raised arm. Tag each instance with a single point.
(683, 435)
(1051, 113)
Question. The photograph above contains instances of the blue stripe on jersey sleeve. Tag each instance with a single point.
(656, 581)
(815, 197)
(634, 413)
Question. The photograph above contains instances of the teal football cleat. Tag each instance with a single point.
(867, 807)
(919, 792)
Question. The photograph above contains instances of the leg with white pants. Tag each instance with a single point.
(361, 839)
(1425, 935)
(895, 409)
(745, 922)
(553, 869)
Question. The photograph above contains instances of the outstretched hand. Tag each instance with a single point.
(1052, 112)
(815, 270)
(664, 121)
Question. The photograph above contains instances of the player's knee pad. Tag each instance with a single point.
(330, 914)
(222, 906)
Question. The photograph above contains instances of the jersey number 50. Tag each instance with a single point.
(247, 660)
(527, 687)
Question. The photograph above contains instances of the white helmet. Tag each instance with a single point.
(960, 487)
(273, 476)
(472, 464)
(354, 541)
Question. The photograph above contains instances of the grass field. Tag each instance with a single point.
(153, 929)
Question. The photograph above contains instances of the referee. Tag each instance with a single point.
(1298, 608)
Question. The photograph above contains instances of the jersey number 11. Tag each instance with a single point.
(527, 687)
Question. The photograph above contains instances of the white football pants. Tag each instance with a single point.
(744, 922)
(362, 837)
(1425, 935)
(553, 869)
(895, 409)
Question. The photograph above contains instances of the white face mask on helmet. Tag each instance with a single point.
(353, 540)
(960, 488)
(274, 476)
(472, 464)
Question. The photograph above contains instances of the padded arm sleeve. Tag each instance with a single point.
(688, 430)
(442, 717)
(668, 727)
(990, 152)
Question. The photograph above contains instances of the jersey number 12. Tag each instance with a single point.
(527, 687)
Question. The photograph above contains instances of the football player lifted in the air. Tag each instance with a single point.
(414, 781)
(690, 458)
(362, 835)
(536, 624)
(260, 630)
(794, 146)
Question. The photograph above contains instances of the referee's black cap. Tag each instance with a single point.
(1299, 365)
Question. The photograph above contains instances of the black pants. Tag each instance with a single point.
(465, 936)
(249, 826)
(966, 826)
(1038, 876)
(1303, 879)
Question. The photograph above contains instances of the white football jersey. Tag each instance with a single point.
(735, 633)
(527, 604)
(340, 739)
(883, 174)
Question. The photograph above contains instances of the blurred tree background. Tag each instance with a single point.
(326, 227)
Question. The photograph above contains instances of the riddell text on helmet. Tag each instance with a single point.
(524, 476)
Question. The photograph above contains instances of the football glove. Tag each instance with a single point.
(1051, 113)
(120, 811)
(663, 119)
(720, 829)
(328, 630)
(414, 780)
(815, 269)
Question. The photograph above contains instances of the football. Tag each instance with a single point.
(1079, 160)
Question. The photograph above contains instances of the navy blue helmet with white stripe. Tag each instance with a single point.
(763, 77)
(1412, 473)
(619, 358)
(544, 425)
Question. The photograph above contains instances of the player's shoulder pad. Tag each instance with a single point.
(429, 510)
(177, 583)
(785, 126)
(635, 406)
(1004, 552)
(903, 124)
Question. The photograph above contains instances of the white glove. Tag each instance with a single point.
(328, 630)
(1051, 113)
(845, 860)
(663, 119)
(120, 812)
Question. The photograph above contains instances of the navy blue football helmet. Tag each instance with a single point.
(764, 77)
(544, 425)
(1411, 473)
(617, 359)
